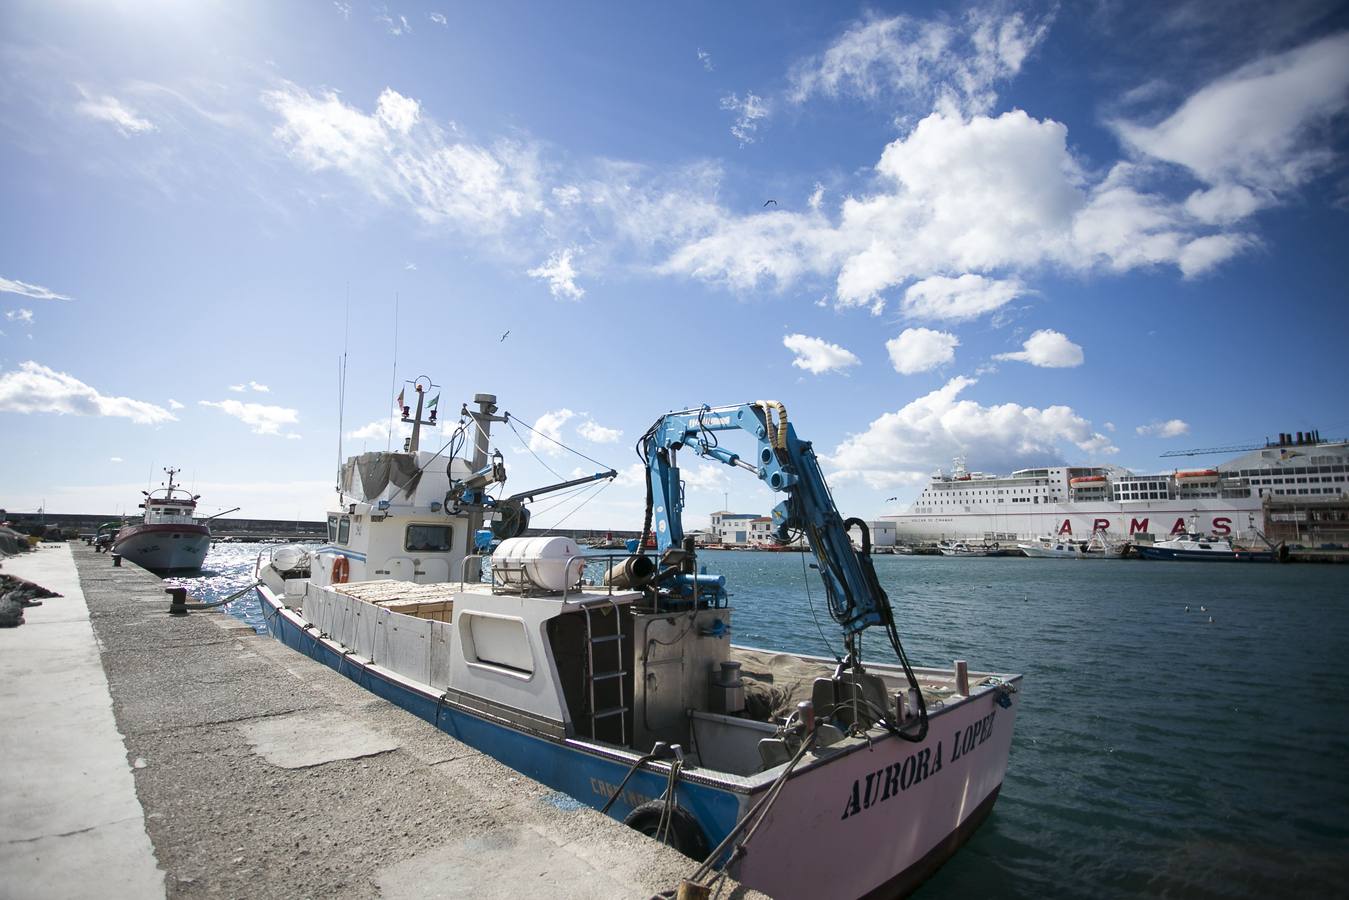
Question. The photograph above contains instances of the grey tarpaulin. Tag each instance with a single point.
(378, 469)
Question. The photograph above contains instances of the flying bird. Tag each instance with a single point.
(506, 335)
(774, 202)
(888, 499)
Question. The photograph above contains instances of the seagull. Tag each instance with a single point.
(506, 335)
(766, 202)
(1187, 609)
(1210, 620)
(1203, 609)
(888, 499)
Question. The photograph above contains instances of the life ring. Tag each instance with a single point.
(341, 570)
(682, 832)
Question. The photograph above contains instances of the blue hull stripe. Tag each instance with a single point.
(583, 775)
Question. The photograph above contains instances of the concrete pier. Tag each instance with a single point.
(256, 771)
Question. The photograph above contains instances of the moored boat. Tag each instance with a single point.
(1204, 549)
(1050, 548)
(965, 548)
(168, 538)
(619, 685)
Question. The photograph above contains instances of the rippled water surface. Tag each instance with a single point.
(1156, 753)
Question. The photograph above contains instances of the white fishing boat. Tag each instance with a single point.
(1050, 547)
(965, 548)
(168, 538)
(616, 682)
(1102, 546)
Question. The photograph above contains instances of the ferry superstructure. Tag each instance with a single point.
(1224, 500)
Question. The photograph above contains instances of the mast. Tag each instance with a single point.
(483, 417)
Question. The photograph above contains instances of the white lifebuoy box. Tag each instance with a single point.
(542, 563)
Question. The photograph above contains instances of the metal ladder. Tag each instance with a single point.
(592, 676)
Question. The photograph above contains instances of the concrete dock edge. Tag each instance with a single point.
(259, 773)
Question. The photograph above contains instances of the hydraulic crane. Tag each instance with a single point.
(787, 465)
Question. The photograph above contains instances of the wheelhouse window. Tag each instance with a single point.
(344, 529)
(332, 528)
(427, 539)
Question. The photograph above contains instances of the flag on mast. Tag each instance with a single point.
(434, 401)
(399, 402)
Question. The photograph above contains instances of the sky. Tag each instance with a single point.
(1029, 234)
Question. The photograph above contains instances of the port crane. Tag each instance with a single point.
(788, 465)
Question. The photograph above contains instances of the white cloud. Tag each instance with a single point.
(1204, 253)
(115, 459)
(1223, 205)
(1167, 429)
(260, 418)
(701, 475)
(250, 385)
(901, 447)
(35, 388)
(395, 25)
(1047, 349)
(380, 429)
(22, 316)
(343, 7)
(921, 349)
(816, 199)
(547, 434)
(114, 111)
(567, 195)
(395, 154)
(937, 64)
(597, 433)
(817, 355)
(409, 267)
(439, 19)
(748, 112)
(1257, 126)
(24, 289)
(1108, 426)
(560, 275)
(174, 404)
(956, 299)
(986, 197)
(706, 59)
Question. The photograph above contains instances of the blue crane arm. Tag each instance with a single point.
(787, 465)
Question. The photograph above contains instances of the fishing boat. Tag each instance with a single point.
(615, 680)
(1049, 548)
(168, 538)
(1192, 545)
(1102, 546)
(965, 548)
(1204, 549)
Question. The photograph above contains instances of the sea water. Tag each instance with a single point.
(1158, 751)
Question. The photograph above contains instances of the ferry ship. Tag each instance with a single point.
(1224, 500)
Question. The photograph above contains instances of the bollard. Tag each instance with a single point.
(117, 560)
(806, 710)
(178, 605)
(962, 678)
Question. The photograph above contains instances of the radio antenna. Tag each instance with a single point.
(342, 381)
(393, 376)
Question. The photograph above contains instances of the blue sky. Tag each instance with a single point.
(1081, 232)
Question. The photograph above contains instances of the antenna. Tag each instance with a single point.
(393, 377)
(342, 380)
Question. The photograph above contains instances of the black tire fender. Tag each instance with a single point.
(684, 833)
